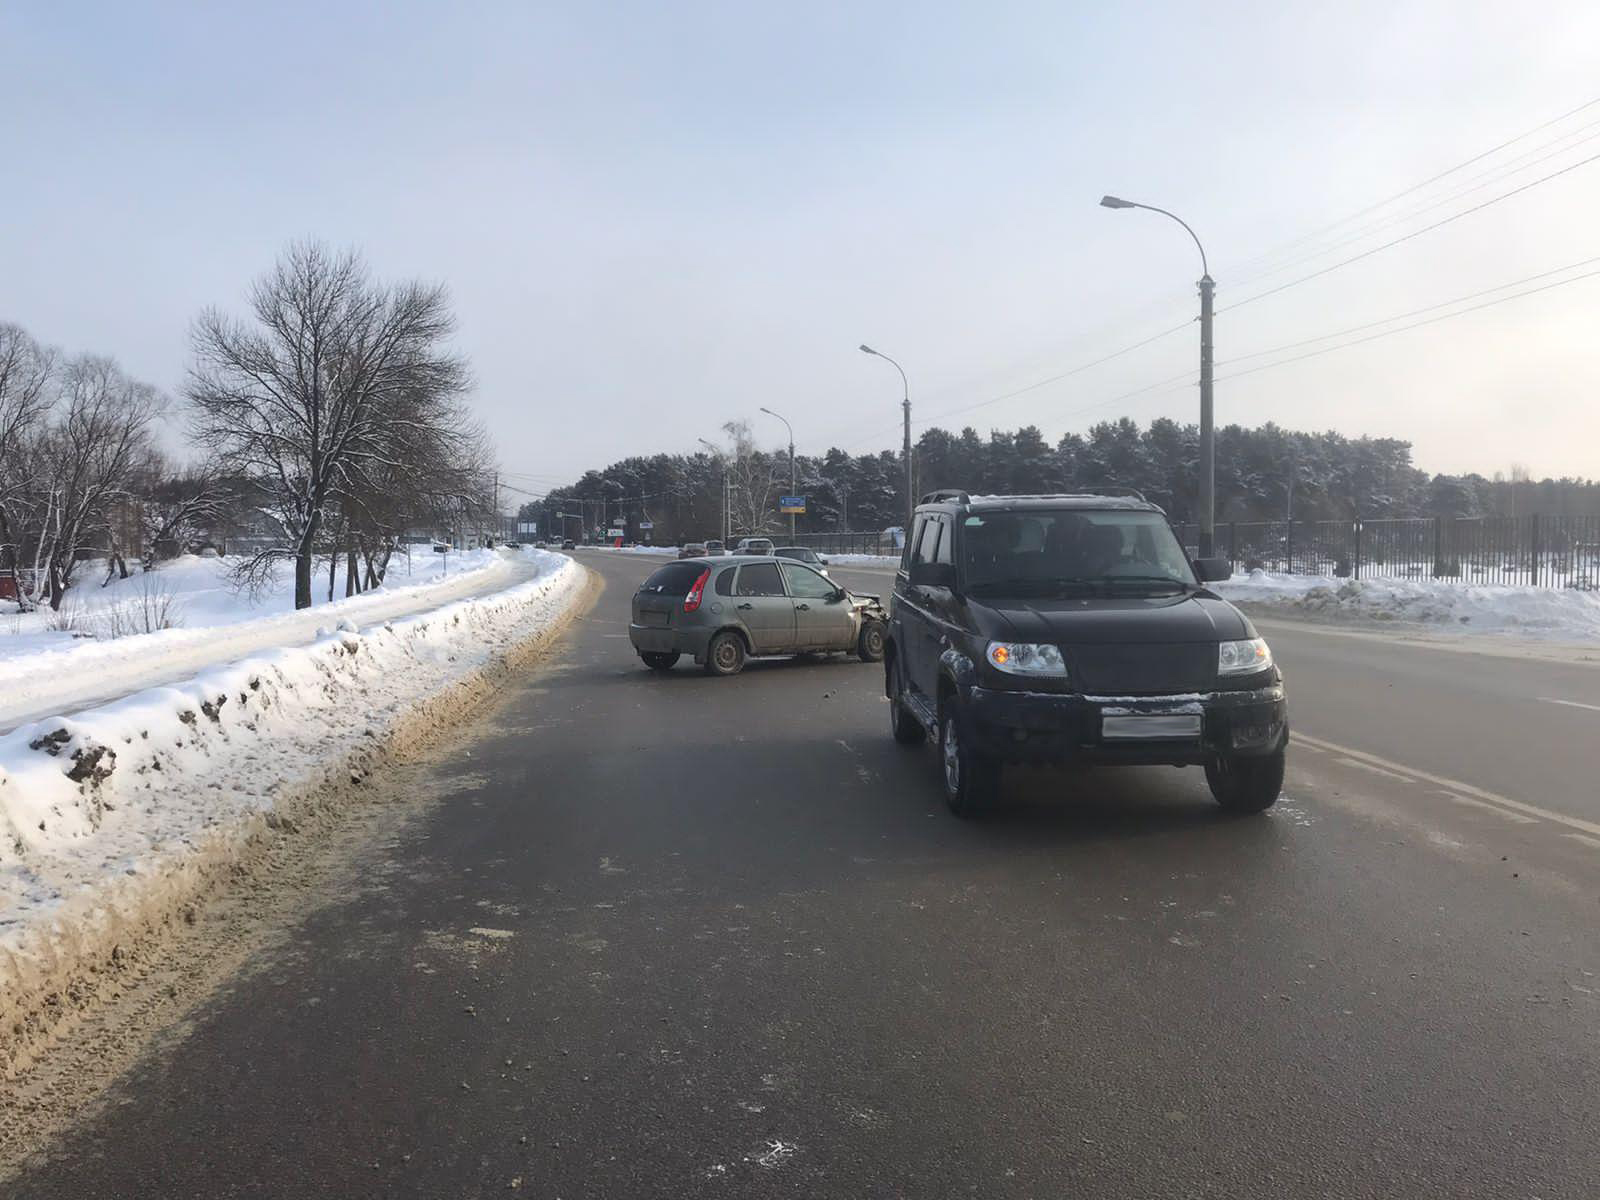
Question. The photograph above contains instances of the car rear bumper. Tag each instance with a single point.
(1050, 728)
(656, 639)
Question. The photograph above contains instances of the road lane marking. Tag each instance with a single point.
(1366, 766)
(1584, 838)
(1571, 703)
(1518, 818)
(1454, 785)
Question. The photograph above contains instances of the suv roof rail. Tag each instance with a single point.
(934, 497)
(1112, 489)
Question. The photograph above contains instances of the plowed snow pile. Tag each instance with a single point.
(1554, 613)
(99, 809)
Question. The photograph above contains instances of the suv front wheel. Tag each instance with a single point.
(1246, 785)
(971, 780)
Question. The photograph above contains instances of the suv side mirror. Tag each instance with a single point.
(1213, 570)
(926, 574)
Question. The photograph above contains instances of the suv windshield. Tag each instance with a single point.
(1065, 547)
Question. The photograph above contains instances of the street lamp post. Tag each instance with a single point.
(905, 408)
(1208, 439)
(793, 480)
(723, 463)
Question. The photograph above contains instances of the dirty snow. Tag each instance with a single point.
(96, 808)
(1551, 613)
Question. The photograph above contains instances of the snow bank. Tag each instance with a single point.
(196, 593)
(101, 810)
(1556, 613)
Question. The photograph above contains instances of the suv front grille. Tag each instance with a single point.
(1143, 669)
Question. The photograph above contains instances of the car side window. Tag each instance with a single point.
(759, 579)
(927, 542)
(943, 552)
(911, 542)
(806, 584)
(724, 585)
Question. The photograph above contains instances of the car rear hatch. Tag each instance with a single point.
(662, 594)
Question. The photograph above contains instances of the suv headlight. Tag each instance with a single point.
(1027, 658)
(1243, 658)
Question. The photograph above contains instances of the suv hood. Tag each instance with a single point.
(1195, 617)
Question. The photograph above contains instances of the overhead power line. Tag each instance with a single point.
(1417, 187)
(1282, 287)
(1489, 178)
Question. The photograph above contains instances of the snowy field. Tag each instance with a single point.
(104, 812)
(1547, 613)
(96, 647)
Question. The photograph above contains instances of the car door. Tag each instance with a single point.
(824, 619)
(765, 609)
(917, 634)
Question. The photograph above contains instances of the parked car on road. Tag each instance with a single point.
(692, 550)
(803, 554)
(714, 548)
(753, 545)
(567, 544)
(722, 612)
(1074, 629)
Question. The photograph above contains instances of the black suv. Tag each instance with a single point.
(1074, 629)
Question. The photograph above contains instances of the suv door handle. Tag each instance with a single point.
(803, 607)
(747, 605)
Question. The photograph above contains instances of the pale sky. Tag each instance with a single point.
(656, 218)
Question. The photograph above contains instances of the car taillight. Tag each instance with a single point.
(691, 599)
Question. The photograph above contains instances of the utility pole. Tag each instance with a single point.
(1208, 443)
(905, 409)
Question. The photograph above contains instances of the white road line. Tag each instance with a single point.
(1571, 703)
(1376, 770)
(1584, 838)
(1454, 785)
(1517, 818)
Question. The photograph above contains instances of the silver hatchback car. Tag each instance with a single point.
(721, 612)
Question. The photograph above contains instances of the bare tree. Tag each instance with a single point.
(26, 376)
(84, 461)
(754, 481)
(330, 384)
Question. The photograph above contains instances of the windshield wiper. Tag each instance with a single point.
(1018, 584)
(1167, 580)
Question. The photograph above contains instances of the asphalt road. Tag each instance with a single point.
(680, 936)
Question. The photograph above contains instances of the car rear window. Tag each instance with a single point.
(674, 579)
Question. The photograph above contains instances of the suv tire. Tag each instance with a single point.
(725, 654)
(907, 730)
(1246, 785)
(659, 660)
(869, 646)
(971, 780)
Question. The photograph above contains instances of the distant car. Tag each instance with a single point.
(692, 550)
(567, 544)
(540, 546)
(721, 613)
(803, 554)
(753, 545)
(714, 548)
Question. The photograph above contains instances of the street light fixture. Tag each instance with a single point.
(1208, 440)
(793, 481)
(723, 463)
(905, 405)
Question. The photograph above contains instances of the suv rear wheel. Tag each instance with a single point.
(725, 654)
(1246, 785)
(971, 780)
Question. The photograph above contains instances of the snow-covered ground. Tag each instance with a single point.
(105, 812)
(101, 655)
(1548, 613)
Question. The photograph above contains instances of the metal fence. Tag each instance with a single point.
(1544, 551)
(845, 542)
